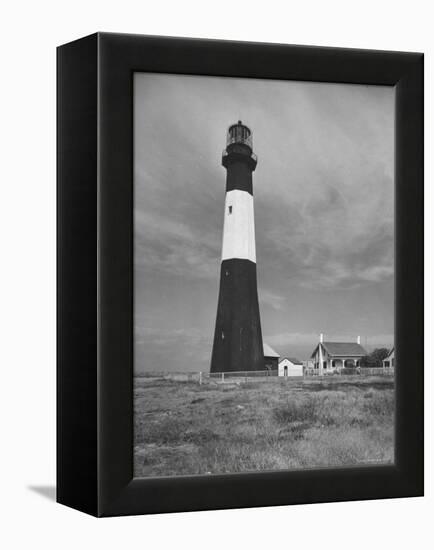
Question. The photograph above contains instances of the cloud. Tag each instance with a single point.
(173, 246)
(332, 239)
(342, 273)
(272, 299)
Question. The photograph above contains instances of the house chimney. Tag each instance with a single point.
(321, 338)
(358, 340)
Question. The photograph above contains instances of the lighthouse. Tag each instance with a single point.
(238, 337)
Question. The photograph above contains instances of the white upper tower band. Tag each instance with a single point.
(239, 227)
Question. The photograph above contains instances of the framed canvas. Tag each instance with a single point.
(290, 393)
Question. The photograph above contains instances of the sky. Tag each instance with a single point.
(324, 213)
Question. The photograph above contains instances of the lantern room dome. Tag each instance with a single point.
(239, 133)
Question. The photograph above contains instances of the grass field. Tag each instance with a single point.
(182, 428)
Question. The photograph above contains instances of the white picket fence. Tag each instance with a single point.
(382, 370)
(237, 375)
(244, 376)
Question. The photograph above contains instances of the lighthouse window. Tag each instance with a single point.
(230, 209)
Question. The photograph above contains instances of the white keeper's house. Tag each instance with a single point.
(290, 366)
(389, 361)
(333, 356)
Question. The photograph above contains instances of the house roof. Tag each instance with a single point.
(293, 360)
(390, 353)
(269, 352)
(343, 348)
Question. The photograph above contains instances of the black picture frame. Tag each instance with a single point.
(95, 273)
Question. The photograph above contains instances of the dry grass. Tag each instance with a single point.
(182, 428)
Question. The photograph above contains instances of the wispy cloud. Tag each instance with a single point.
(272, 299)
(339, 245)
(173, 246)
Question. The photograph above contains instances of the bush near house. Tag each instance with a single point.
(375, 358)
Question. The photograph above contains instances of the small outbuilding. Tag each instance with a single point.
(271, 358)
(290, 366)
(389, 361)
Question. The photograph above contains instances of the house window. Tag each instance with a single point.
(230, 209)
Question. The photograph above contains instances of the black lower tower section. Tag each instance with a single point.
(238, 336)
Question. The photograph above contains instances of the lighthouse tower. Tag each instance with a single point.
(238, 336)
